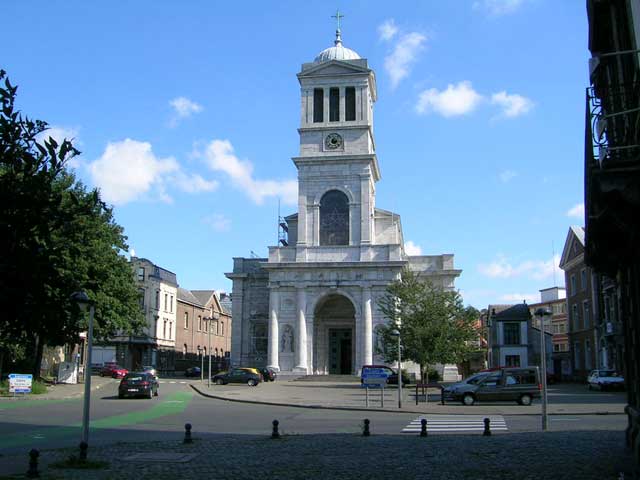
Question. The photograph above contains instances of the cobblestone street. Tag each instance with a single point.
(563, 455)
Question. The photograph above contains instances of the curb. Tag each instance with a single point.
(46, 397)
(358, 409)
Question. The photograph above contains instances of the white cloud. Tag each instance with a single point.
(519, 297)
(387, 30)
(411, 248)
(536, 269)
(459, 99)
(497, 8)
(129, 170)
(577, 211)
(220, 157)
(512, 105)
(398, 62)
(507, 175)
(183, 108)
(218, 221)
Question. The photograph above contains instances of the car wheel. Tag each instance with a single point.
(589, 387)
(120, 396)
(251, 382)
(525, 400)
(157, 392)
(468, 399)
(219, 381)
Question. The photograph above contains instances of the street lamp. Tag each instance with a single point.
(396, 333)
(541, 313)
(83, 301)
(215, 316)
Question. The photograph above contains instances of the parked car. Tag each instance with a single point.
(268, 374)
(113, 370)
(605, 380)
(392, 378)
(521, 384)
(237, 375)
(138, 384)
(192, 372)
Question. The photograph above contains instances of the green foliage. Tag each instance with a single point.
(434, 325)
(55, 238)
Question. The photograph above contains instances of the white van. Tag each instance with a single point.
(450, 374)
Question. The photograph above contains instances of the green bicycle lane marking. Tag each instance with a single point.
(174, 404)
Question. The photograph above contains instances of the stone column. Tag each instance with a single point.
(343, 105)
(274, 335)
(367, 327)
(325, 115)
(301, 333)
(316, 224)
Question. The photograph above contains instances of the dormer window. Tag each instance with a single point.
(334, 105)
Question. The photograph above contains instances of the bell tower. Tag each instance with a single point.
(337, 164)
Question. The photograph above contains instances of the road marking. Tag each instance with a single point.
(456, 423)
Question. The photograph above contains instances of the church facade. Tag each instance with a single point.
(312, 306)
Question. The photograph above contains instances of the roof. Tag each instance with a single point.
(203, 295)
(337, 52)
(225, 303)
(575, 232)
(516, 313)
(185, 295)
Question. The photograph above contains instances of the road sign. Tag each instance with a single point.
(20, 383)
(374, 377)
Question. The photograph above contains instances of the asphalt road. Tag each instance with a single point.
(51, 424)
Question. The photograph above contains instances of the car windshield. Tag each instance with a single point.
(473, 379)
(608, 373)
(136, 377)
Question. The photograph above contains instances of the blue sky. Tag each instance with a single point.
(186, 116)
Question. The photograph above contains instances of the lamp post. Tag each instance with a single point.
(541, 313)
(396, 333)
(83, 301)
(201, 364)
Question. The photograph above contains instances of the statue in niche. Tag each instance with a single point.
(286, 342)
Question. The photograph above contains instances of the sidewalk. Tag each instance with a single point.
(540, 456)
(62, 391)
(351, 396)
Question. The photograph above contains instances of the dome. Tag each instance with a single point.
(337, 52)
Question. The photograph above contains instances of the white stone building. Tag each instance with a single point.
(311, 307)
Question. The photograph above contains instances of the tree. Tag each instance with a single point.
(55, 238)
(434, 325)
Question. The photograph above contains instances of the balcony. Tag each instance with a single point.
(613, 124)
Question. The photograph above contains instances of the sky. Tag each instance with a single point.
(186, 114)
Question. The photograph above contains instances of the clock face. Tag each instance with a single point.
(333, 141)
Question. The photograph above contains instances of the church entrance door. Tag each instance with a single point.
(340, 340)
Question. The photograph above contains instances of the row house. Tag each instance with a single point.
(155, 344)
(583, 338)
(554, 300)
(513, 339)
(204, 328)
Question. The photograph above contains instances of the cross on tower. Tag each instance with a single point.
(337, 16)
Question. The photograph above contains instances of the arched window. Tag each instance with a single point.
(334, 218)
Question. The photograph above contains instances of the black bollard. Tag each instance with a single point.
(275, 433)
(33, 464)
(487, 428)
(84, 446)
(187, 433)
(366, 432)
(423, 428)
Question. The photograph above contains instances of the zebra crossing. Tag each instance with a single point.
(456, 424)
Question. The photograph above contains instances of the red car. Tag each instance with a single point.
(113, 370)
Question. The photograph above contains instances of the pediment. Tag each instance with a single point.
(334, 67)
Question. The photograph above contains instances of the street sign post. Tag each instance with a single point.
(20, 383)
(374, 378)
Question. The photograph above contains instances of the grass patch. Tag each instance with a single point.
(75, 462)
(37, 388)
